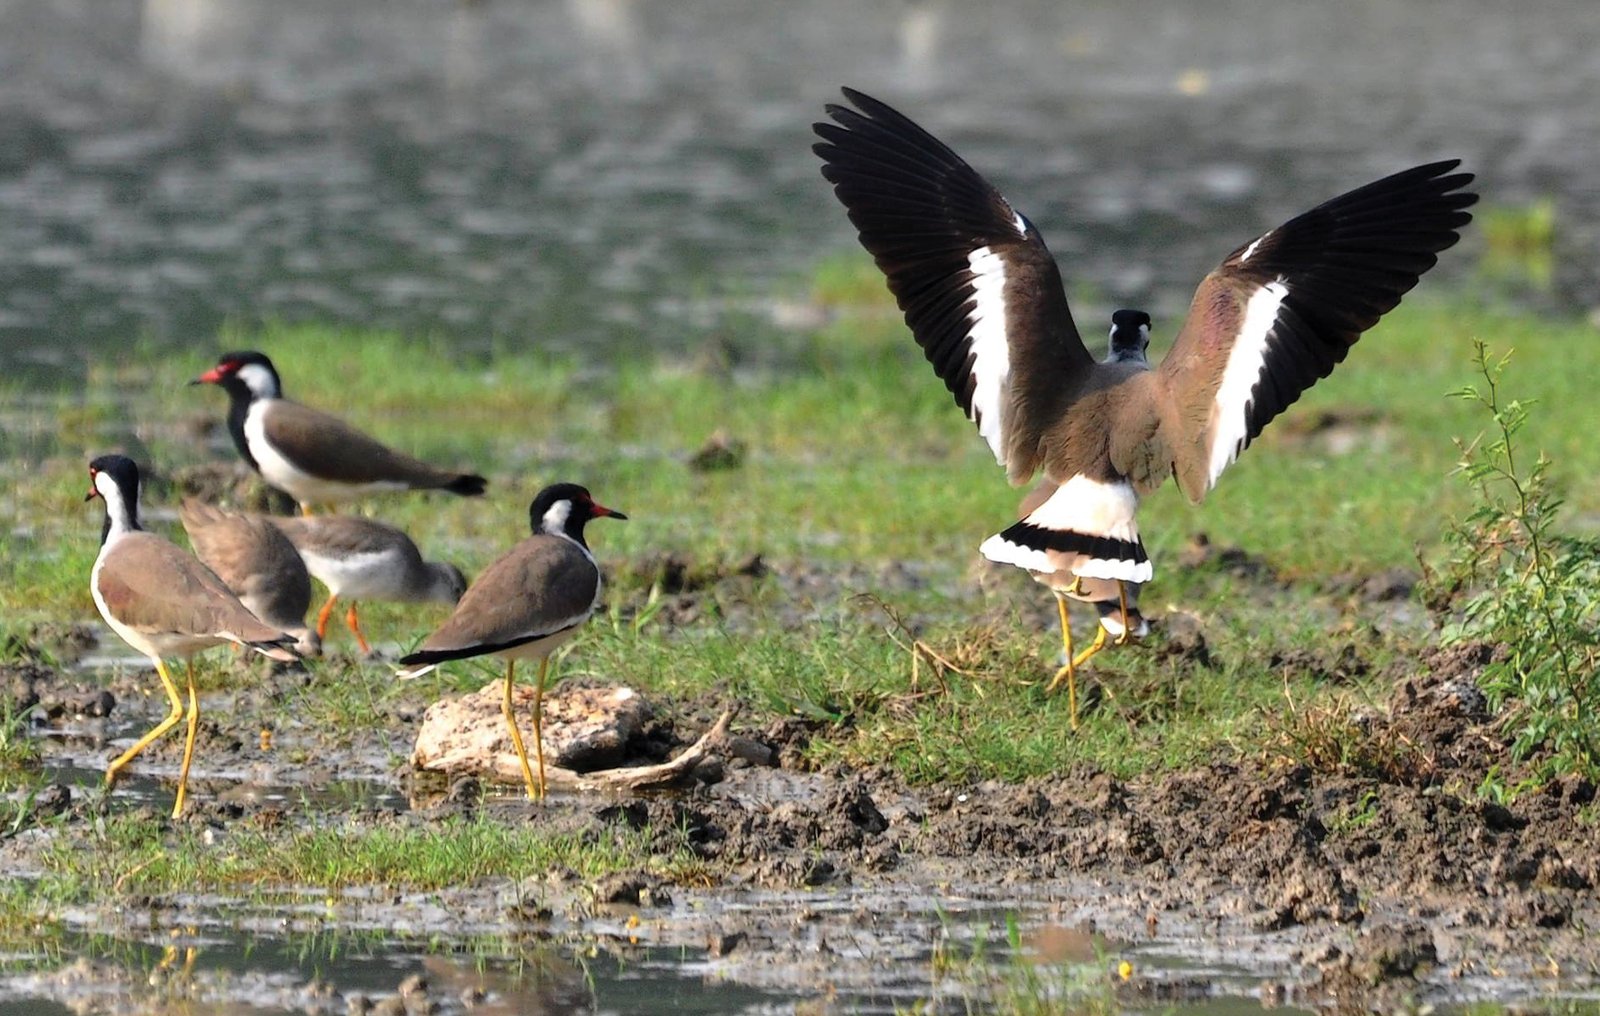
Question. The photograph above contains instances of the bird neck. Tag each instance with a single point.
(560, 520)
(122, 514)
(240, 401)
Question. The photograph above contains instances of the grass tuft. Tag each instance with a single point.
(1521, 584)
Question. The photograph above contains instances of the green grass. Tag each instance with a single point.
(858, 465)
(133, 854)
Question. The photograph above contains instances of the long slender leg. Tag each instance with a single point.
(1068, 671)
(538, 719)
(1122, 599)
(355, 628)
(323, 615)
(516, 735)
(188, 742)
(1099, 644)
(161, 728)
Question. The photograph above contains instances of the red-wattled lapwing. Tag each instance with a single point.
(163, 602)
(526, 604)
(983, 297)
(313, 457)
(259, 565)
(360, 559)
(1116, 603)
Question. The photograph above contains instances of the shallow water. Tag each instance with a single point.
(611, 175)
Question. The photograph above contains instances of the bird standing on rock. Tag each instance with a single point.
(983, 297)
(525, 605)
(313, 457)
(163, 602)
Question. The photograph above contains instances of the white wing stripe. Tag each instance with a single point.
(986, 338)
(1248, 251)
(1246, 360)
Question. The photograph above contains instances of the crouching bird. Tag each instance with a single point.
(259, 565)
(163, 602)
(525, 605)
(984, 299)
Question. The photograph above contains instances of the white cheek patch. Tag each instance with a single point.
(259, 380)
(556, 516)
(986, 340)
(1246, 360)
(117, 508)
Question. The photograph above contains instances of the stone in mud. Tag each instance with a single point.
(1389, 585)
(19, 688)
(1392, 951)
(1184, 638)
(585, 729)
(52, 799)
(415, 985)
(394, 1005)
(723, 943)
(631, 889)
(92, 702)
(749, 751)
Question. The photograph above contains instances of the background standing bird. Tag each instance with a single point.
(526, 604)
(163, 602)
(984, 299)
(361, 559)
(313, 457)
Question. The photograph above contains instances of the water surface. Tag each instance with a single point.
(610, 176)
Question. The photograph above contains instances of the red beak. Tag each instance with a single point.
(94, 491)
(601, 511)
(210, 377)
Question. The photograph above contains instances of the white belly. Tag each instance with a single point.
(541, 648)
(379, 576)
(300, 485)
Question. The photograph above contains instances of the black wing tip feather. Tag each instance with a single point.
(467, 485)
(430, 656)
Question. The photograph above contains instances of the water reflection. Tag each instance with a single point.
(575, 174)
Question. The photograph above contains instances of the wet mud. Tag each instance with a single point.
(1359, 867)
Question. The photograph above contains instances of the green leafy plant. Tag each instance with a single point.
(1517, 583)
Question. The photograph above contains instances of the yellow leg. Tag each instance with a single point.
(1099, 644)
(305, 509)
(161, 728)
(322, 617)
(516, 735)
(538, 719)
(188, 743)
(355, 628)
(1068, 671)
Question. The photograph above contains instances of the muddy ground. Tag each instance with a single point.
(1359, 882)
